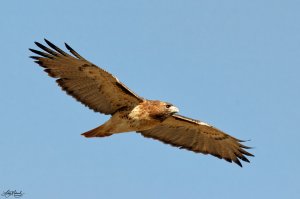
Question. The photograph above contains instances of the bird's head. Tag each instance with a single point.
(170, 108)
(161, 110)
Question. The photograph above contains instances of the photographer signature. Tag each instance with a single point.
(14, 194)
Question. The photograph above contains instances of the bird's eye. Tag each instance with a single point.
(168, 106)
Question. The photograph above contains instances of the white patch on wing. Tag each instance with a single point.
(203, 123)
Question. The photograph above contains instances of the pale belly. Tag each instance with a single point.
(120, 122)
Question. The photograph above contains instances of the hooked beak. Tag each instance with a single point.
(174, 109)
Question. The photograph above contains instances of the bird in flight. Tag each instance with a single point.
(104, 93)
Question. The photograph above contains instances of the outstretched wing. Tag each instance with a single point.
(200, 137)
(89, 84)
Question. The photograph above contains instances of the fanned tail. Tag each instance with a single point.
(96, 132)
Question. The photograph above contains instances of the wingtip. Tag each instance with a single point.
(67, 46)
(46, 40)
(245, 147)
(34, 57)
(38, 43)
(245, 152)
(73, 51)
(244, 159)
(39, 63)
(238, 162)
(244, 140)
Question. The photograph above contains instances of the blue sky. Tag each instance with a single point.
(233, 64)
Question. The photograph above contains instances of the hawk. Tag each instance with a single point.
(104, 93)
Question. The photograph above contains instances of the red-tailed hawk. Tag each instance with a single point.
(104, 93)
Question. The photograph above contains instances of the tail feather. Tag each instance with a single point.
(96, 132)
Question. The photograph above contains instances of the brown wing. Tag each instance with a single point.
(200, 137)
(89, 84)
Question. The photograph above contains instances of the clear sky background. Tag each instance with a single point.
(233, 64)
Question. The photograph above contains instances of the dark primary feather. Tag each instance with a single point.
(41, 53)
(89, 84)
(73, 52)
(56, 48)
(193, 135)
(46, 49)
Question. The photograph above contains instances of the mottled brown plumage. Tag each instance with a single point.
(104, 93)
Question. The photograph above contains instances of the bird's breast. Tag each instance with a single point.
(138, 119)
